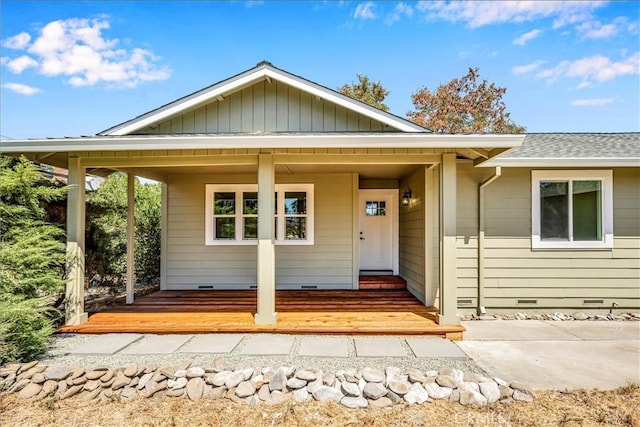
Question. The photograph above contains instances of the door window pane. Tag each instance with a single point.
(224, 203)
(587, 205)
(225, 228)
(554, 210)
(375, 208)
(295, 203)
(296, 228)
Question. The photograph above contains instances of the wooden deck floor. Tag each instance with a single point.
(366, 312)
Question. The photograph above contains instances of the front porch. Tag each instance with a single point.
(361, 312)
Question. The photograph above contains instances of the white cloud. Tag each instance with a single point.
(594, 68)
(21, 89)
(399, 11)
(480, 13)
(527, 68)
(19, 41)
(523, 38)
(19, 64)
(77, 50)
(597, 30)
(592, 102)
(365, 11)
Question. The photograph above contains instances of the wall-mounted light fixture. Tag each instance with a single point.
(406, 197)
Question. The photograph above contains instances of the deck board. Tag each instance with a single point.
(362, 312)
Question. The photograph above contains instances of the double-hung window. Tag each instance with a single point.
(232, 214)
(572, 209)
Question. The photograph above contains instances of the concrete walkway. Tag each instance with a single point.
(267, 345)
(556, 355)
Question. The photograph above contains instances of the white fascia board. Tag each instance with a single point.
(346, 103)
(381, 140)
(516, 162)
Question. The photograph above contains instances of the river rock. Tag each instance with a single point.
(129, 393)
(416, 394)
(38, 378)
(245, 389)
(372, 375)
(306, 375)
(71, 391)
(490, 390)
(234, 379)
(216, 393)
(354, 402)
(177, 384)
(399, 387)
(57, 374)
(301, 395)
(120, 381)
(326, 393)
(522, 396)
(31, 390)
(195, 388)
(383, 402)
(374, 390)
(350, 389)
(195, 372)
(264, 393)
(131, 370)
(278, 381)
(437, 392)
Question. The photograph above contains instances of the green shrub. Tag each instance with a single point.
(32, 258)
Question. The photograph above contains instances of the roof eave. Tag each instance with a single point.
(356, 140)
(563, 162)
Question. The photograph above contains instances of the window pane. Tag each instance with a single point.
(295, 203)
(554, 211)
(250, 203)
(224, 203)
(587, 208)
(225, 228)
(296, 228)
(250, 228)
(375, 208)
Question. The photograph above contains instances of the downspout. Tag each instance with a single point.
(498, 172)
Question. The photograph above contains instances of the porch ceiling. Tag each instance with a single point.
(367, 171)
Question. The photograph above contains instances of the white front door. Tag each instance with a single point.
(378, 218)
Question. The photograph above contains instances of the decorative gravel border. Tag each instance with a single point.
(353, 388)
(580, 316)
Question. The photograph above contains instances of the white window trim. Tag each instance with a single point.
(605, 176)
(238, 189)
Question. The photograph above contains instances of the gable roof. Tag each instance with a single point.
(573, 150)
(262, 71)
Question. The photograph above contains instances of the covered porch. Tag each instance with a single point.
(335, 312)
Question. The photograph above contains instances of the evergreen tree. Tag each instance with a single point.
(32, 257)
(372, 93)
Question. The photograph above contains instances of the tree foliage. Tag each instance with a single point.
(463, 105)
(32, 259)
(106, 240)
(372, 93)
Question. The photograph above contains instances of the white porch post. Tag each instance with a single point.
(74, 305)
(448, 285)
(131, 180)
(266, 235)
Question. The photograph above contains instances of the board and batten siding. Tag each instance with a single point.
(191, 263)
(518, 278)
(422, 277)
(267, 107)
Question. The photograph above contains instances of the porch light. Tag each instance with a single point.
(406, 197)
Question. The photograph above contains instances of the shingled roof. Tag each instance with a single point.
(574, 149)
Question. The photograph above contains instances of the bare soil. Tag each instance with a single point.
(619, 407)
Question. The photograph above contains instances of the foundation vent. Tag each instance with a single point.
(308, 287)
(205, 287)
(593, 301)
(465, 301)
(527, 301)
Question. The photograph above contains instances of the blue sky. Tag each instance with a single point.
(77, 68)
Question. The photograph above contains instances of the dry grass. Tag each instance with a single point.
(619, 407)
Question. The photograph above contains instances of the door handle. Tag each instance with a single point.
(361, 238)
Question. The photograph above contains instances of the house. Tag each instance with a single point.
(271, 181)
